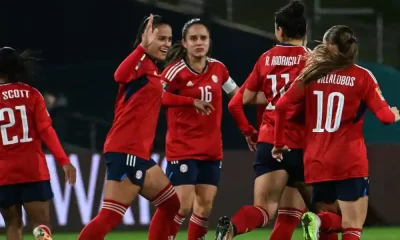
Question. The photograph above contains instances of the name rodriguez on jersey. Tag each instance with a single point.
(283, 60)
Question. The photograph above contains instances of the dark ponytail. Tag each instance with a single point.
(157, 21)
(325, 59)
(15, 67)
(291, 19)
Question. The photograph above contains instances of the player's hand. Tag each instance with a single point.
(149, 34)
(203, 107)
(277, 153)
(70, 173)
(252, 141)
(396, 113)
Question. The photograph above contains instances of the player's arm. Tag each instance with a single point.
(376, 102)
(294, 94)
(252, 85)
(229, 85)
(173, 100)
(231, 88)
(235, 107)
(132, 67)
(46, 131)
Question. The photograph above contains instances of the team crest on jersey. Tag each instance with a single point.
(214, 78)
(139, 174)
(183, 168)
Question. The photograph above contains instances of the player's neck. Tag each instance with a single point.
(2, 81)
(295, 42)
(197, 64)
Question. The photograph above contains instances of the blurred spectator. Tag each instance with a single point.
(57, 108)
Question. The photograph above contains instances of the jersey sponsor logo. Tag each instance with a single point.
(214, 78)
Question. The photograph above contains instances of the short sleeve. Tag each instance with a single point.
(253, 81)
(42, 116)
(373, 97)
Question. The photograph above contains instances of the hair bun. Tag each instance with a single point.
(296, 8)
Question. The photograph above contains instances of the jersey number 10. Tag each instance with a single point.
(11, 116)
(332, 123)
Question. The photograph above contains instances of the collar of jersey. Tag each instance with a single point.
(285, 44)
(194, 71)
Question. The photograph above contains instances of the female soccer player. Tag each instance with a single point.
(129, 143)
(336, 93)
(273, 74)
(193, 142)
(25, 124)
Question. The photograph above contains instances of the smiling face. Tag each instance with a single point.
(197, 40)
(161, 44)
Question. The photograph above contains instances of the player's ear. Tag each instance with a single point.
(279, 34)
(184, 43)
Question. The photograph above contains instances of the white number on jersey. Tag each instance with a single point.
(11, 116)
(274, 83)
(206, 94)
(329, 127)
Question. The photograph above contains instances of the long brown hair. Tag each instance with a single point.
(339, 51)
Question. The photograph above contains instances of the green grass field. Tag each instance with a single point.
(369, 234)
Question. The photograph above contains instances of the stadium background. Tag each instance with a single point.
(82, 43)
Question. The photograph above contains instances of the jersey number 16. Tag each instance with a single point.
(11, 116)
(206, 94)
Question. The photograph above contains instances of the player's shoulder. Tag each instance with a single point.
(364, 72)
(215, 62)
(18, 86)
(286, 49)
(173, 69)
(216, 66)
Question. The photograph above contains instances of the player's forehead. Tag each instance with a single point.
(197, 30)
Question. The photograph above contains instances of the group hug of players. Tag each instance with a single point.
(310, 150)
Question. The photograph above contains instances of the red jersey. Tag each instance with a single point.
(190, 134)
(335, 107)
(23, 116)
(137, 106)
(273, 74)
(259, 110)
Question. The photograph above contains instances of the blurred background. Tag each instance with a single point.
(83, 41)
